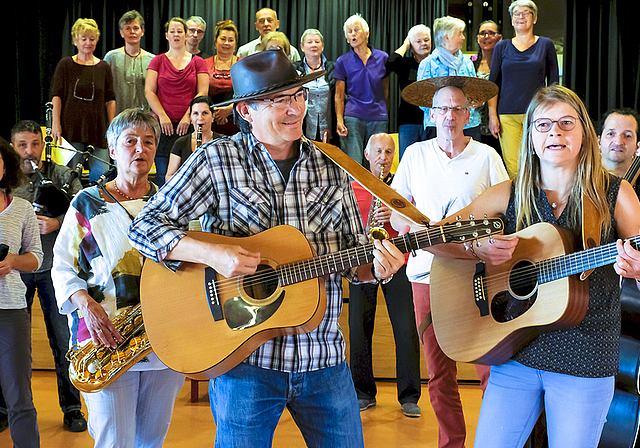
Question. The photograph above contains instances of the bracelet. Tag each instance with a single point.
(373, 274)
(473, 252)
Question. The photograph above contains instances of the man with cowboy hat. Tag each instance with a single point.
(268, 175)
(443, 175)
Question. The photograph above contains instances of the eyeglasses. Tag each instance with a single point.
(443, 110)
(522, 14)
(285, 100)
(544, 125)
(194, 31)
(486, 33)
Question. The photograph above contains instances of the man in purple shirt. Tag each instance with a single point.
(362, 90)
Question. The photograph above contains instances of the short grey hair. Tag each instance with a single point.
(353, 19)
(446, 26)
(132, 118)
(199, 20)
(310, 31)
(525, 3)
(411, 35)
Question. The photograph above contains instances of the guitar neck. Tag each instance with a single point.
(564, 266)
(311, 268)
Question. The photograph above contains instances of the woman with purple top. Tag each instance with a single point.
(520, 66)
(362, 90)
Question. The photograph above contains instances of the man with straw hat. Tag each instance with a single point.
(443, 175)
(269, 174)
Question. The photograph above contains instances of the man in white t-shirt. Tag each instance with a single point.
(266, 21)
(441, 176)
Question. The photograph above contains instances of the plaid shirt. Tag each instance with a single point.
(236, 188)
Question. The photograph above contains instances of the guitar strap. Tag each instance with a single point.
(372, 184)
(590, 229)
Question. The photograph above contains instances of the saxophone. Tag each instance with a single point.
(93, 367)
(199, 136)
(375, 230)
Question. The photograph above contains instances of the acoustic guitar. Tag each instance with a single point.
(484, 314)
(202, 324)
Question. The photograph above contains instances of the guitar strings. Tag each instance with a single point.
(303, 270)
(556, 266)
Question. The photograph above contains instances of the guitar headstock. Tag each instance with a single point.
(462, 231)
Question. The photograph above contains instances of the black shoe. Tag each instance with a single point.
(366, 403)
(4, 421)
(74, 421)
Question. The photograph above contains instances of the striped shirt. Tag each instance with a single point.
(236, 189)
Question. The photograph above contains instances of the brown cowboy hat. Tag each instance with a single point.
(477, 90)
(265, 73)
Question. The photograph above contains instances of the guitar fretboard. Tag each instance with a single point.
(566, 265)
(311, 268)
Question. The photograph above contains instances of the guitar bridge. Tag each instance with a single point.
(480, 290)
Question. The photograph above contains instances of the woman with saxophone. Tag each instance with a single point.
(96, 275)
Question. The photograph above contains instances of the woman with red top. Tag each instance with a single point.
(174, 79)
(219, 66)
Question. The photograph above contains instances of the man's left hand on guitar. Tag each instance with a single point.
(628, 260)
(388, 259)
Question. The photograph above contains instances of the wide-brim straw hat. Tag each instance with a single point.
(476, 90)
(265, 73)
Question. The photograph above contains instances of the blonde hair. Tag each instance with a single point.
(82, 26)
(590, 178)
(225, 25)
(280, 37)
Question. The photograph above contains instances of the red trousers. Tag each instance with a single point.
(443, 386)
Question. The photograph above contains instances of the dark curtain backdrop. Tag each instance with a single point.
(602, 54)
(42, 42)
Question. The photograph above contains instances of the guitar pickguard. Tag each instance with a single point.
(240, 314)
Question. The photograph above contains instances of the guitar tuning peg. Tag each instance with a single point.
(491, 240)
(485, 216)
(471, 217)
(458, 218)
(478, 243)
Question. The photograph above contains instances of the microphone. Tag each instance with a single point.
(101, 181)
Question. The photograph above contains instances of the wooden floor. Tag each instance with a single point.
(192, 425)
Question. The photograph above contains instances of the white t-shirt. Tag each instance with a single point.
(252, 47)
(440, 186)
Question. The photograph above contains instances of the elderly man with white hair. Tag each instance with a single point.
(418, 40)
(447, 60)
(362, 90)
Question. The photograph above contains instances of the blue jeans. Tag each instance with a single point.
(247, 403)
(359, 131)
(408, 134)
(576, 407)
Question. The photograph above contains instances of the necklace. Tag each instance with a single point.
(314, 68)
(115, 185)
(130, 55)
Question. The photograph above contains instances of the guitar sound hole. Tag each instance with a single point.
(523, 282)
(262, 284)
(523, 279)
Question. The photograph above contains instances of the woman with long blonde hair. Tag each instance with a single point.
(568, 371)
